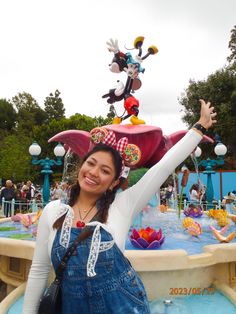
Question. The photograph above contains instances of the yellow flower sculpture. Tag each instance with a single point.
(163, 208)
(37, 216)
(222, 221)
(216, 213)
(195, 229)
(187, 222)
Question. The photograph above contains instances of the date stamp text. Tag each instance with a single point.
(192, 291)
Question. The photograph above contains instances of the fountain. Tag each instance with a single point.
(183, 260)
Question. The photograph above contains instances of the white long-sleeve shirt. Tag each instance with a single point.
(121, 213)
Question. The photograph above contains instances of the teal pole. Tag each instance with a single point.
(46, 187)
(209, 189)
(208, 164)
(46, 171)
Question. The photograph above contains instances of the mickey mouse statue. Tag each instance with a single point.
(132, 66)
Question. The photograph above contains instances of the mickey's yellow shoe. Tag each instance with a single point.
(152, 50)
(116, 120)
(138, 42)
(135, 120)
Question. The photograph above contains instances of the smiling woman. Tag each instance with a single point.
(97, 173)
(98, 278)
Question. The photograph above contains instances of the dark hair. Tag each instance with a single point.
(194, 187)
(104, 202)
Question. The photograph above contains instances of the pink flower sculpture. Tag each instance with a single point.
(26, 220)
(195, 229)
(150, 139)
(147, 238)
(193, 211)
(17, 217)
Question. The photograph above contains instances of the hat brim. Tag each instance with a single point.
(229, 198)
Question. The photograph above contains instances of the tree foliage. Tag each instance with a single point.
(220, 90)
(232, 47)
(54, 107)
(43, 133)
(15, 161)
(23, 121)
(7, 115)
(29, 113)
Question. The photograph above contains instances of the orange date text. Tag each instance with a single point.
(190, 291)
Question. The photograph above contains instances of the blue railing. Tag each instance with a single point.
(9, 208)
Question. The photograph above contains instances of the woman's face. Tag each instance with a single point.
(97, 174)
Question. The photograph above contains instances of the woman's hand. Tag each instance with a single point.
(207, 114)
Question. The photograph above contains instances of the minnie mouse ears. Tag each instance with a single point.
(130, 153)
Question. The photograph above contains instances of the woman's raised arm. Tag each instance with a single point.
(139, 194)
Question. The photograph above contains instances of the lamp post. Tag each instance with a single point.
(46, 164)
(220, 150)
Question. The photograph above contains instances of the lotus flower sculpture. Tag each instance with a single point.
(147, 238)
(194, 211)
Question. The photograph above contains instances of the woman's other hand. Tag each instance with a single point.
(207, 114)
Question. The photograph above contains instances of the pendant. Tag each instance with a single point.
(80, 224)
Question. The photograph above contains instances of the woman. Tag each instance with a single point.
(98, 278)
(228, 202)
(194, 193)
(56, 192)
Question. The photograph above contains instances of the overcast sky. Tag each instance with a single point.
(48, 45)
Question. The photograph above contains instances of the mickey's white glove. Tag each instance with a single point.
(113, 45)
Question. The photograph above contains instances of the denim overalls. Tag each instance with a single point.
(116, 288)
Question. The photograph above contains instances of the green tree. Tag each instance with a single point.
(43, 133)
(54, 106)
(220, 89)
(7, 115)
(101, 121)
(232, 47)
(29, 112)
(15, 160)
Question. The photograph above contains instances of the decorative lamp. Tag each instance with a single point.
(35, 149)
(59, 150)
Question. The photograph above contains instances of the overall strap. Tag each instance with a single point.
(85, 233)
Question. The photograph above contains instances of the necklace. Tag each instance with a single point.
(80, 223)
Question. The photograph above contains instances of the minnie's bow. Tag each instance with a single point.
(130, 153)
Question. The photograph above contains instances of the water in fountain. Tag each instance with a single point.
(174, 194)
(149, 215)
(215, 303)
(194, 159)
(71, 162)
